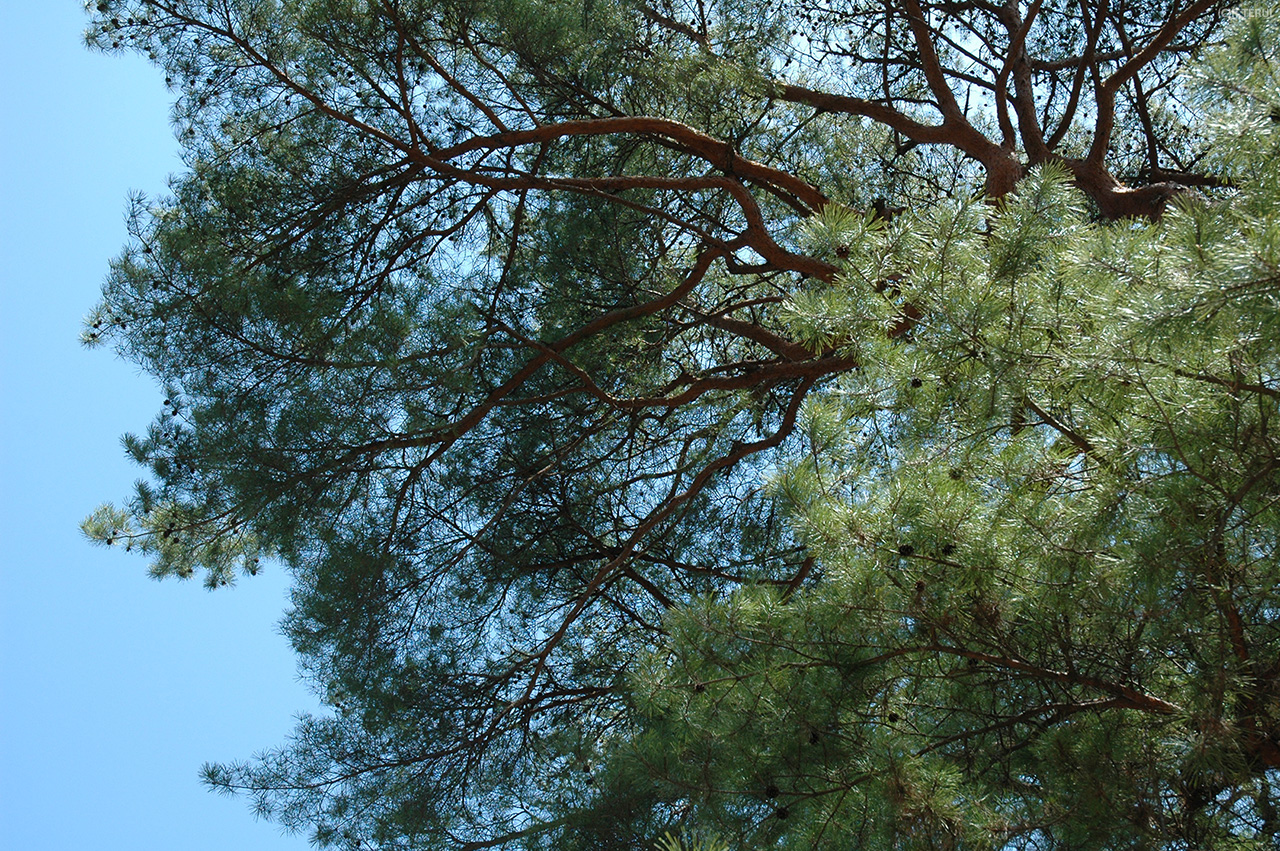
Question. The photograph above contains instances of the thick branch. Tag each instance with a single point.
(963, 136)
(715, 152)
(1105, 96)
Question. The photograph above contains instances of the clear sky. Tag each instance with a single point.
(113, 688)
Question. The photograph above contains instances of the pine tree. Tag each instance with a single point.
(491, 319)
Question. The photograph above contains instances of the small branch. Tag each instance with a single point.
(1128, 697)
(672, 25)
(1077, 440)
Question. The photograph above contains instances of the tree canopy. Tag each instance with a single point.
(827, 424)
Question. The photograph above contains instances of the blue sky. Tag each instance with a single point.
(113, 688)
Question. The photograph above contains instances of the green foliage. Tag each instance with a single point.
(1047, 522)
(669, 842)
